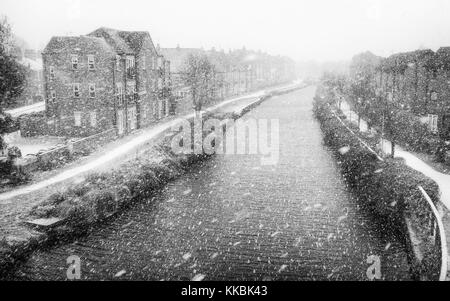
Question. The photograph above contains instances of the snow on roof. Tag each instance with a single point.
(61, 44)
(113, 38)
(127, 42)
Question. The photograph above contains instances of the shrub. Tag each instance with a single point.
(123, 196)
(48, 208)
(103, 202)
(389, 186)
(43, 211)
(162, 173)
(81, 215)
(78, 190)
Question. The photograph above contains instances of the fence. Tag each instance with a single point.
(435, 234)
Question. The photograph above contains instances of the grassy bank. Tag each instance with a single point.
(100, 196)
(387, 186)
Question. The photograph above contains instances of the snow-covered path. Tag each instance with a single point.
(120, 151)
(36, 107)
(443, 180)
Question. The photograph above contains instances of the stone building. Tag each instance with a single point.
(106, 79)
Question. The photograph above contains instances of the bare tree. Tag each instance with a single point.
(199, 75)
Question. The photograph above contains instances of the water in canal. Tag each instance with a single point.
(233, 219)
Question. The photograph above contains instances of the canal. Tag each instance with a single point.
(231, 218)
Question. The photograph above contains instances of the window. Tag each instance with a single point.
(91, 62)
(390, 96)
(91, 90)
(154, 108)
(77, 116)
(131, 87)
(130, 62)
(144, 63)
(160, 62)
(52, 73)
(144, 84)
(119, 87)
(53, 95)
(132, 118)
(74, 62)
(434, 96)
(93, 118)
(117, 62)
(433, 123)
(76, 90)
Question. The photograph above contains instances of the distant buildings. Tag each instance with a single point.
(106, 79)
(113, 79)
(238, 71)
(33, 90)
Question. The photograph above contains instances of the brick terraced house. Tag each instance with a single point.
(104, 80)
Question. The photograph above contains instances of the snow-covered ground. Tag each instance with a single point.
(121, 151)
(443, 180)
(32, 145)
(36, 107)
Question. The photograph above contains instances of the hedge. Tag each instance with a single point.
(103, 194)
(389, 186)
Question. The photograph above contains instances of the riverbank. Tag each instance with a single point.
(233, 218)
(98, 197)
(388, 185)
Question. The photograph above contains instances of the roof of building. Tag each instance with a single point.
(60, 44)
(113, 38)
(126, 42)
(136, 39)
(108, 39)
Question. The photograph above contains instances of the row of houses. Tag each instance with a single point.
(419, 81)
(119, 79)
(237, 72)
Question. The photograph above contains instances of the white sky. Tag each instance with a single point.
(301, 29)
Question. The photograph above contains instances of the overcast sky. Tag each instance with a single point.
(301, 29)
